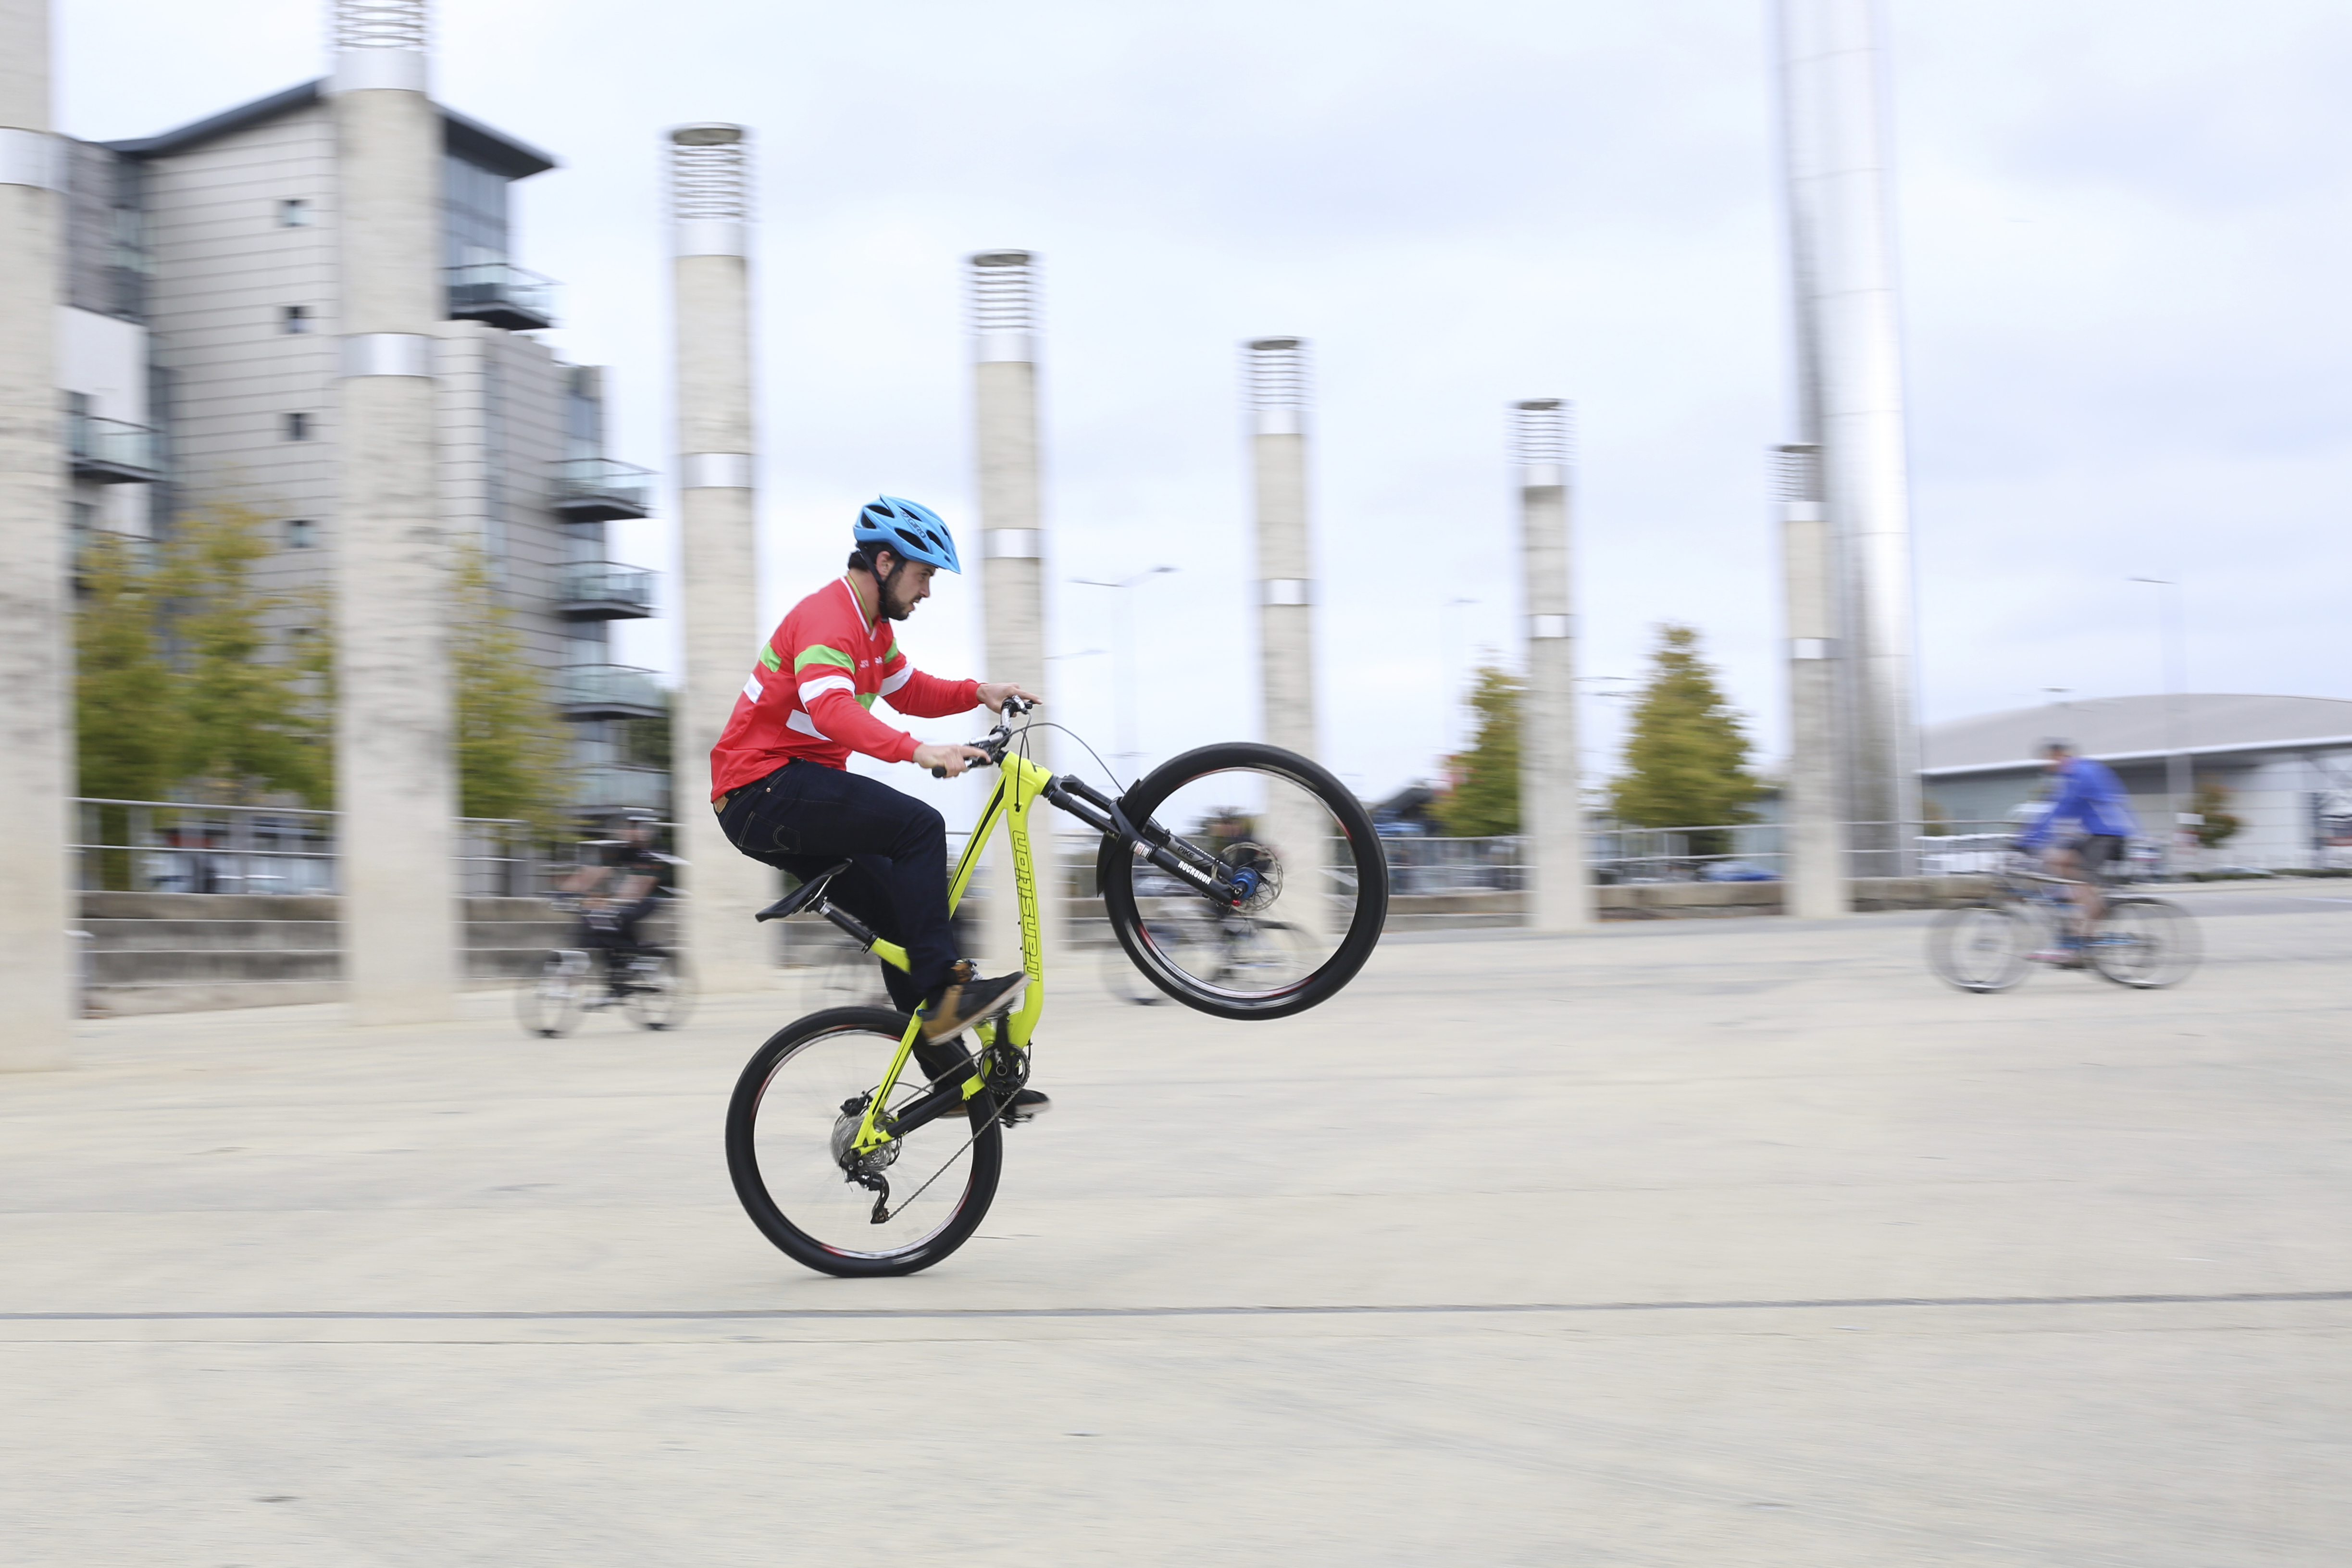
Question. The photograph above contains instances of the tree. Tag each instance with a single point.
(1485, 798)
(2218, 824)
(251, 718)
(1687, 760)
(125, 735)
(512, 749)
(125, 694)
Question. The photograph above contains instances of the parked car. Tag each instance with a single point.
(1736, 871)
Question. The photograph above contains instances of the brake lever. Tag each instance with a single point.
(993, 743)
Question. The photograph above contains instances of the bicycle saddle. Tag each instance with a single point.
(802, 896)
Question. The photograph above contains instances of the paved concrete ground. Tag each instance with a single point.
(1524, 1251)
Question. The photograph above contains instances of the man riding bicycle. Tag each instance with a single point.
(779, 780)
(613, 896)
(2091, 799)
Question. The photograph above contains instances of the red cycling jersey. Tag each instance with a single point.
(816, 678)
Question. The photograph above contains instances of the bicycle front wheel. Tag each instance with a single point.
(660, 993)
(800, 1100)
(1979, 947)
(2144, 943)
(548, 1004)
(1318, 875)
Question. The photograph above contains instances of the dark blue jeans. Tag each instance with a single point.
(806, 817)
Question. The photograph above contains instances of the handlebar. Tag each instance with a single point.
(996, 740)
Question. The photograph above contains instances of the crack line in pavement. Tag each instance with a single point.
(1433, 1309)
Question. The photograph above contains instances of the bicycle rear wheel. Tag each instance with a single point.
(660, 993)
(800, 1097)
(1321, 877)
(2144, 943)
(548, 1004)
(1979, 947)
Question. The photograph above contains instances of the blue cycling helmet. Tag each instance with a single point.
(910, 532)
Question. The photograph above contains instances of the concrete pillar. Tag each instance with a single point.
(1551, 805)
(396, 782)
(37, 959)
(1275, 369)
(1850, 376)
(1013, 556)
(717, 587)
(1815, 883)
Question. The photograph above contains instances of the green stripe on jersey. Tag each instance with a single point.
(817, 653)
(768, 659)
(866, 699)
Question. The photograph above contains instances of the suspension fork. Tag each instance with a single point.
(1204, 873)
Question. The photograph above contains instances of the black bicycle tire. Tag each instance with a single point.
(1115, 874)
(2186, 926)
(743, 1163)
(1949, 920)
(529, 1016)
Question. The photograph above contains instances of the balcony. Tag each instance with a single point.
(609, 691)
(618, 787)
(111, 452)
(501, 294)
(598, 490)
(603, 590)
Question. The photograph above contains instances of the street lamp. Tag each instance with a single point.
(2176, 681)
(1122, 663)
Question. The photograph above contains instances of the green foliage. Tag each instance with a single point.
(126, 734)
(1686, 759)
(1485, 797)
(512, 749)
(250, 719)
(2211, 801)
(126, 741)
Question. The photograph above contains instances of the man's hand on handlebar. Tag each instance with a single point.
(992, 694)
(948, 762)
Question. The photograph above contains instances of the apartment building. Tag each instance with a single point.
(198, 342)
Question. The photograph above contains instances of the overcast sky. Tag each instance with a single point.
(2124, 231)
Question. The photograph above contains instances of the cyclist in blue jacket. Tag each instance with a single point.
(2091, 805)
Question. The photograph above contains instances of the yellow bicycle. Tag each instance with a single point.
(860, 1149)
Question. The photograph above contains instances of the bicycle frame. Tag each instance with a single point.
(1020, 784)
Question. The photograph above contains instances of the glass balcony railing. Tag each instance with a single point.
(501, 294)
(609, 691)
(619, 788)
(112, 452)
(603, 590)
(598, 490)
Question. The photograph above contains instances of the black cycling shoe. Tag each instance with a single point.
(1028, 1104)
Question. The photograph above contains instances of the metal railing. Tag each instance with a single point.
(177, 846)
(602, 489)
(111, 449)
(607, 586)
(180, 847)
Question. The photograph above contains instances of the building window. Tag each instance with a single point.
(81, 516)
(297, 533)
(293, 215)
(295, 319)
(297, 426)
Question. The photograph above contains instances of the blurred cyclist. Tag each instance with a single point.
(616, 894)
(780, 784)
(2090, 802)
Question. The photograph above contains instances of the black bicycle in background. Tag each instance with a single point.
(647, 983)
(1989, 943)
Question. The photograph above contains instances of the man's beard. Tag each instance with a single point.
(892, 610)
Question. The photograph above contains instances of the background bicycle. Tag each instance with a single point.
(647, 983)
(1990, 944)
